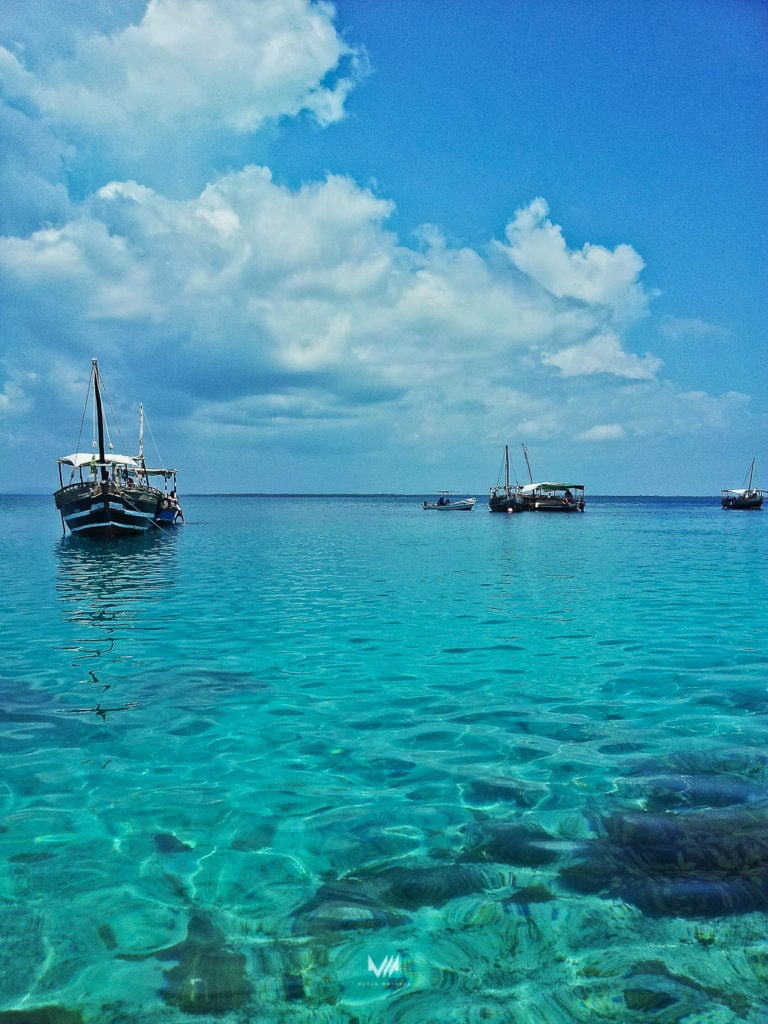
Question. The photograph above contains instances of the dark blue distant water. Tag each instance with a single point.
(337, 759)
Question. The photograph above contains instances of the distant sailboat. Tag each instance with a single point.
(506, 497)
(748, 497)
(550, 496)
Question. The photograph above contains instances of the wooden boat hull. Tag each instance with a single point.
(106, 512)
(542, 505)
(506, 504)
(744, 503)
(749, 498)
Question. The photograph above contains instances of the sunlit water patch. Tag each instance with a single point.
(334, 759)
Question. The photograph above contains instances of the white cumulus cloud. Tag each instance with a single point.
(592, 274)
(233, 60)
(158, 98)
(603, 354)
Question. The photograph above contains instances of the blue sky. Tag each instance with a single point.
(360, 246)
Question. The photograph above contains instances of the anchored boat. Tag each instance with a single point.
(748, 497)
(549, 496)
(109, 496)
(446, 503)
(505, 497)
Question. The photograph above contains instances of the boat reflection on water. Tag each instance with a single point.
(112, 596)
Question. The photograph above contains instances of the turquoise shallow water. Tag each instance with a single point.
(343, 760)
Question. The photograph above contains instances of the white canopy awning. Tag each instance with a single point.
(547, 485)
(80, 459)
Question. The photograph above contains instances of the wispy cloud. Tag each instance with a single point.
(692, 329)
(603, 432)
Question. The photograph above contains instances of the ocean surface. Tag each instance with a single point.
(337, 759)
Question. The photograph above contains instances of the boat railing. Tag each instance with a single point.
(117, 487)
(78, 485)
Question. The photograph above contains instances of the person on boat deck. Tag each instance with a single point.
(568, 494)
(175, 502)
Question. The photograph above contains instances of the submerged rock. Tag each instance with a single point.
(696, 897)
(378, 898)
(166, 842)
(720, 839)
(501, 790)
(698, 845)
(651, 985)
(345, 905)
(209, 977)
(690, 863)
(529, 894)
(677, 792)
(725, 764)
(647, 1000)
(508, 842)
(41, 1015)
(430, 885)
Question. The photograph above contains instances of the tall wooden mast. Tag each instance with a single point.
(100, 419)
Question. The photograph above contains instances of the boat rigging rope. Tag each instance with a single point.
(154, 442)
(105, 393)
(85, 413)
(93, 417)
(129, 504)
